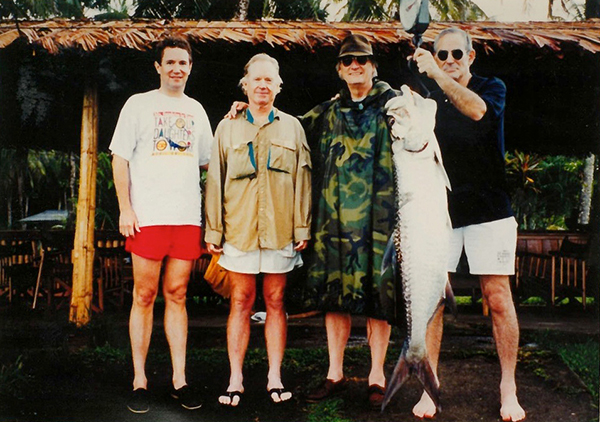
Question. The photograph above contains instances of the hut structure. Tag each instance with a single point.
(551, 69)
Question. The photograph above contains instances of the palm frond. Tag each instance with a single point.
(366, 10)
(457, 10)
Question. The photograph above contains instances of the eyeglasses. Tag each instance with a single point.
(361, 60)
(456, 54)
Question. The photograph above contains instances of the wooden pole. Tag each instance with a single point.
(83, 252)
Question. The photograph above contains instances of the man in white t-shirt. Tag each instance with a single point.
(161, 140)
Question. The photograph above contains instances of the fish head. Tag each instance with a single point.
(411, 119)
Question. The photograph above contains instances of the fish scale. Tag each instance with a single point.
(420, 240)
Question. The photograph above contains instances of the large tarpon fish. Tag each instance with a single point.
(419, 244)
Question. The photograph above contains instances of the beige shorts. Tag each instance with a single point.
(260, 261)
(490, 247)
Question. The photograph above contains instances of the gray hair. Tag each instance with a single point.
(464, 34)
(265, 58)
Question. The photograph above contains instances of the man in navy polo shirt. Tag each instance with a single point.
(470, 131)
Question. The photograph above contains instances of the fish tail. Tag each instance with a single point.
(422, 370)
(400, 375)
(426, 377)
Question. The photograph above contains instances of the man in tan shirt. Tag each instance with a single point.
(258, 203)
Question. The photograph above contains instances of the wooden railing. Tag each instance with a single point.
(544, 267)
(548, 242)
(552, 265)
(36, 266)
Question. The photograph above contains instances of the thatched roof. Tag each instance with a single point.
(53, 35)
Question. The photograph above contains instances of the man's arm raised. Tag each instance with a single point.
(465, 100)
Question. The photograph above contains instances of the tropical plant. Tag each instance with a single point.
(32, 181)
(8, 177)
(107, 207)
(457, 10)
(520, 171)
(172, 9)
(43, 9)
(570, 7)
(544, 190)
(48, 175)
(230, 9)
(368, 10)
(521, 168)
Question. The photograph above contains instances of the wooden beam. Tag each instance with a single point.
(83, 252)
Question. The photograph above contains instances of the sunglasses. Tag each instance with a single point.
(456, 54)
(361, 60)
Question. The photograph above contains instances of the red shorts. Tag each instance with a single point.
(156, 242)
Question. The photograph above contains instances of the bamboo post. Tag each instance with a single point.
(83, 251)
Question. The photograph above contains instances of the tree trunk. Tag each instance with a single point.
(83, 252)
(585, 199)
(242, 12)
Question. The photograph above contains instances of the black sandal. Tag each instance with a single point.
(279, 392)
(232, 395)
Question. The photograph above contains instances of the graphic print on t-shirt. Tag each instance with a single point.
(173, 133)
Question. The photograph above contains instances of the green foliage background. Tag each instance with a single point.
(544, 189)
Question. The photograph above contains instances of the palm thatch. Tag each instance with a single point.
(87, 35)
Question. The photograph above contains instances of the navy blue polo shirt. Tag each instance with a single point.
(473, 155)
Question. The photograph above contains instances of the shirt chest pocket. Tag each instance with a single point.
(282, 156)
(241, 163)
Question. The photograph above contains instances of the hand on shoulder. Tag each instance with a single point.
(236, 107)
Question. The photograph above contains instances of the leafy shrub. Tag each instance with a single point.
(544, 189)
(12, 379)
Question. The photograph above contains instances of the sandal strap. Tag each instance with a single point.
(232, 394)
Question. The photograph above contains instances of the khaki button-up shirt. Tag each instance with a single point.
(258, 189)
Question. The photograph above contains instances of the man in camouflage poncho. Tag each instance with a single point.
(353, 215)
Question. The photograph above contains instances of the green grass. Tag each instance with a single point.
(534, 301)
(12, 378)
(583, 359)
(463, 300)
(327, 411)
(581, 355)
(104, 355)
(530, 301)
(539, 301)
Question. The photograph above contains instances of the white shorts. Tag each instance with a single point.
(490, 247)
(260, 261)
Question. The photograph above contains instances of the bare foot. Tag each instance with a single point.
(425, 408)
(277, 391)
(511, 410)
(233, 396)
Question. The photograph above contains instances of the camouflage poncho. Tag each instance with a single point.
(353, 214)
